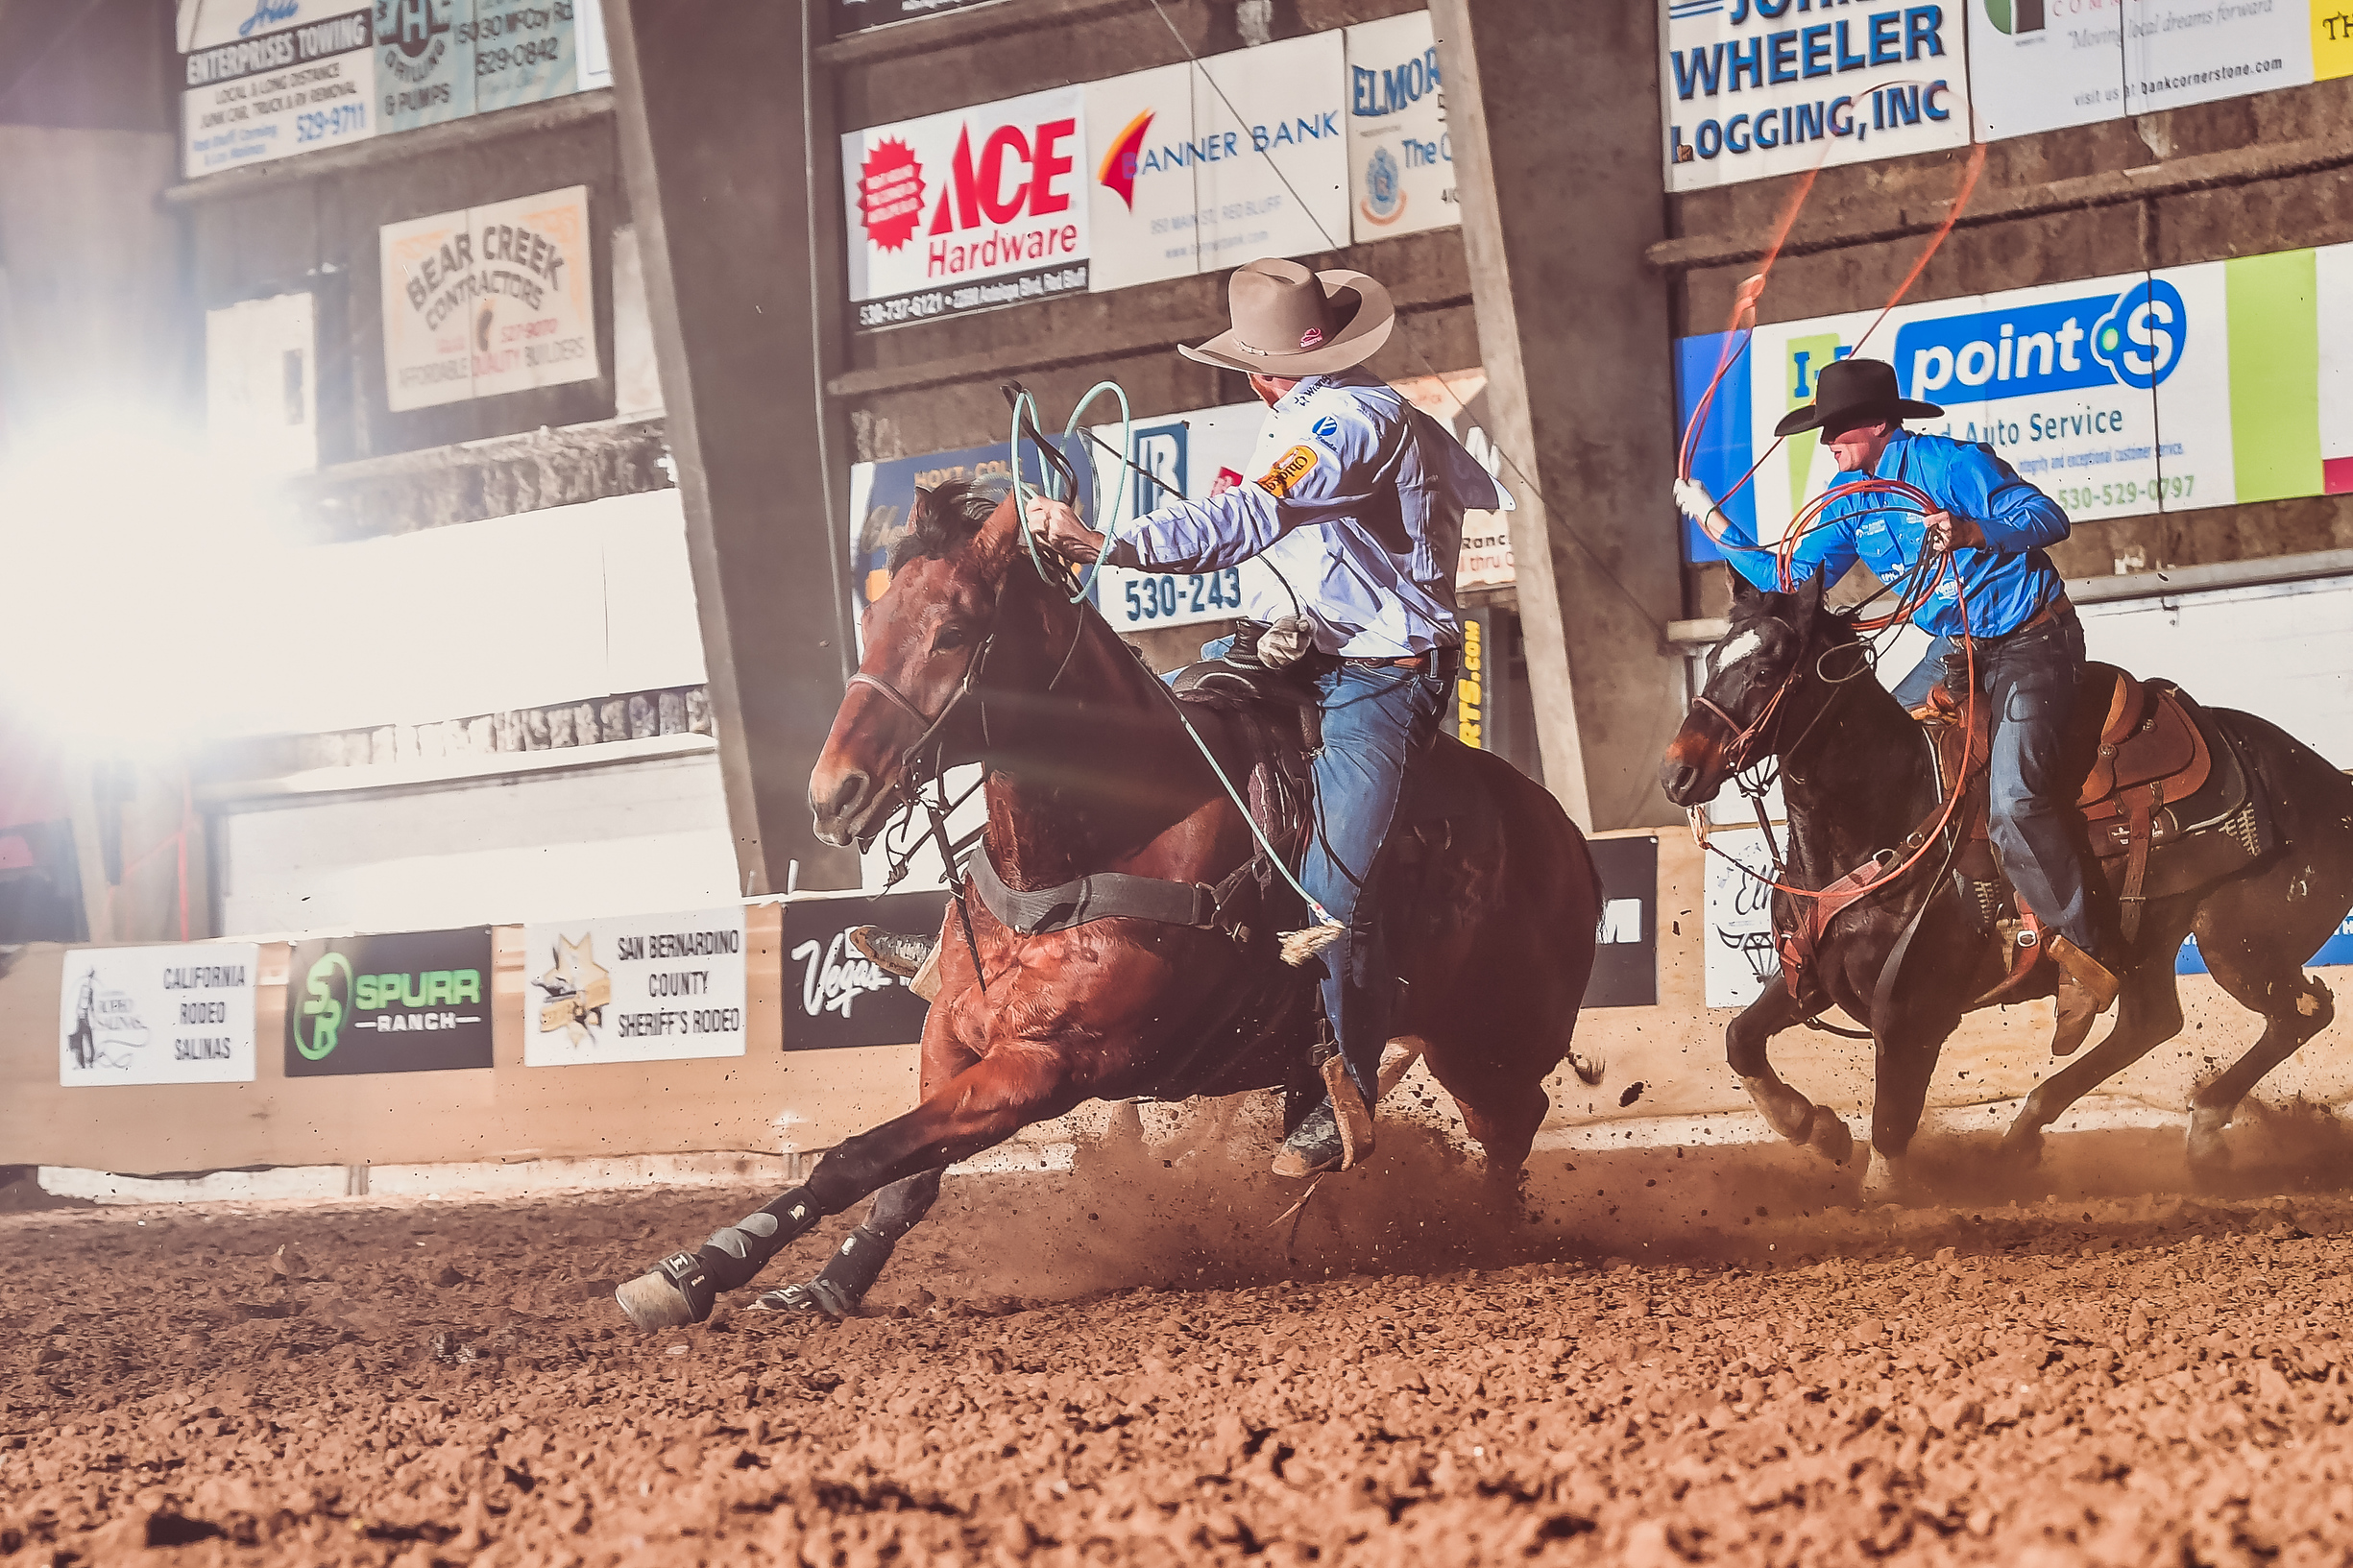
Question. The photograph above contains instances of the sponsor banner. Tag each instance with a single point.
(414, 1002)
(180, 1014)
(267, 79)
(1478, 694)
(1626, 950)
(2047, 64)
(882, 500)
(2189, 387)
(1196, 455)
(633, 988)
(834, 997)
(264, 78)
(1279, 182)
(1739, 958)
(857, 16)
(525, 52)
(1190, 457)
(423, 62)
(1400, 158)
(1752, 89)
(490, 299)
(2335, 951)
(1142, 192)
(967, 210)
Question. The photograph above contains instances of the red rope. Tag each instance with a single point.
(1745, 304)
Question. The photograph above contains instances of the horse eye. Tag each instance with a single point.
(949, 636)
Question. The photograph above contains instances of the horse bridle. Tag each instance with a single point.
(1745, 736)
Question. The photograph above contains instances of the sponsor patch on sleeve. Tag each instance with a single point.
(1288, 471)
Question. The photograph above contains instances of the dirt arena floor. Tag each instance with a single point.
(1127, 1364)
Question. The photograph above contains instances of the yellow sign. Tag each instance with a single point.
(2332, 38)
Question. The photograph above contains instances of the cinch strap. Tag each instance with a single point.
(1106, 895)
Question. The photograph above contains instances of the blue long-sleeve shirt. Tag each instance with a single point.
(2006, 581)
(1358, 507)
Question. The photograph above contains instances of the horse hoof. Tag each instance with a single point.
(654, 1303)
(2021, 1150)
(1886, 1181)
(1827, 1135)
(2208, 1154)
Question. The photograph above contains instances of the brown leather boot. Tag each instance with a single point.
(2086, 990)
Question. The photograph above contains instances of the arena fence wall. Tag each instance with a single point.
(1665, 1079)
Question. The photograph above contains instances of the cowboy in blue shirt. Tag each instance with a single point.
(2029, 643)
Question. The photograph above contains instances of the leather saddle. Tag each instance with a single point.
(2157, 776)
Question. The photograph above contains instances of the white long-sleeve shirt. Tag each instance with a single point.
(1357, 506)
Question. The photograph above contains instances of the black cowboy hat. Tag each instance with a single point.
(1852, 392)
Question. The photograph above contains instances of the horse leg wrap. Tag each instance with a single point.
(841, 1284)
(682, 1286)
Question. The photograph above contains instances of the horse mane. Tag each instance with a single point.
(944, 520)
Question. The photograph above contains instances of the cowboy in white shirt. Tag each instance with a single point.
(1357, 505)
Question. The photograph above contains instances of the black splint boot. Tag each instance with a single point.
(840, 1284)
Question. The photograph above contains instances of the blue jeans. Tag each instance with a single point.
(2029, 677)
(1375, 722)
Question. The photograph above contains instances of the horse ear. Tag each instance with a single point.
(1811, 593)
(1743, 591)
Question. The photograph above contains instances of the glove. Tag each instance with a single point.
(1693, 500)
(1285, 643)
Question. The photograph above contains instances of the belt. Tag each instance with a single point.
(1438, 659)
(2045, 616)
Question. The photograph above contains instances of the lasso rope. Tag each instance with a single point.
(1917, 585)
(1296, 946)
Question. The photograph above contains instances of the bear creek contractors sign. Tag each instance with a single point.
(2187, 387)
(633, 988)
(179, 1014)
(489, 299)
(416, 1002)
(1752, 88)
(1290, 148)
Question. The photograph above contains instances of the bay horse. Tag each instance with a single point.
(1856, 780)
(1489, 893)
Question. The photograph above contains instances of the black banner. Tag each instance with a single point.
(1626, 953)
(857, 16)
(414, 1002)
(836, 997)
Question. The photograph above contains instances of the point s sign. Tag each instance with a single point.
(974, 207)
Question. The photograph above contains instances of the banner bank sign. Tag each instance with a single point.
(1754, 88)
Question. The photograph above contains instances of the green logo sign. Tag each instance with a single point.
(320, 1025)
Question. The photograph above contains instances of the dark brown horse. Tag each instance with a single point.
(1857, 782)
(971, 655)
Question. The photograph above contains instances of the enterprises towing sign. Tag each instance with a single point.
(415, 1003)
(272, 78)
(1754, 88)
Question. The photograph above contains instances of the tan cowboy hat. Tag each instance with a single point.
(1291, 322)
